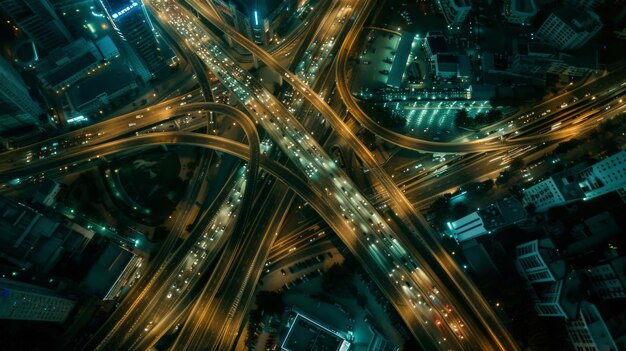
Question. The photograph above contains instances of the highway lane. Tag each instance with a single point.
(253, 139)
(140, 288)
(499, 337)
(315, 199)
(212, 338)
(343, 86)
(219, 329)
(294, 134)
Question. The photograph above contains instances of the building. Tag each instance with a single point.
(560, 298)
(38, 20)
(48, 193)
(31, 240)
(519, 11)
(568, 28)
(588, 332)
(67, 65)
(584, 4)
(23, 301)
(95, 93)
(454, 11)
(305, 333)
(435, 43)
(107, 48)
(539, 59)
(136, 40)
(111, 271)
(579, 183)
(560, 189)
(414, 94)
(18, 110)
(605, 176)
(446, 65)
(398, 66)
(554, 289)
(494, 217)
(608, 279)
(257, 20)
(539, 261)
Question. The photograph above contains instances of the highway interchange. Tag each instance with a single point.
(380, 226)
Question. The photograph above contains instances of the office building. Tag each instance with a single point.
(554, 289)
(569, 28)
(552, 192)
(257, 20)
(48, 193)
(519, 11)
(66, 65)
(539, 261)
(454, 11)
(23, 301)
(539, 59)
(588, 332)
(584, 4)
(605, 176)
(435, 43)
(31, 240)
(38, 20)
(557, 299)
(495, 216)
(398, 66)
(18, 110)
(137, 39)
(579, 183)
(608, 279)
(306, 333)
(101, 90)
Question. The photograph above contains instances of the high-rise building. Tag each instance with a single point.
(568, 28)
(588, 332)
(17, 108)
(608, 279)
(554, 291)
(482, 221)
(454, 11)
(605, 176)
(37, 19)
(31, 240)
(539, 261)
(584, 4)
(137, 38)
(30, 302)
(259, 19)
(579, 183)
(519, 11)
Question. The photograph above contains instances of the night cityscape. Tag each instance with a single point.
(313, 175)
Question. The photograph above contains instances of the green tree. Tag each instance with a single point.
(461, 118)
(270, 302)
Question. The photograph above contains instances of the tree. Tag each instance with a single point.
(517, 164)
(493, 115)
(270, 302)
(503, 178)
(461, 118)
(338, 281)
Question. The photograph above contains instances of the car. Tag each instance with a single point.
(132, 124)
(283, 272)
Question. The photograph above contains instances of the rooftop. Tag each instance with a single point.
(108, 81)
(580, 21)
(437, 44)
(524, 6)
(306, 334)
(400, 59)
